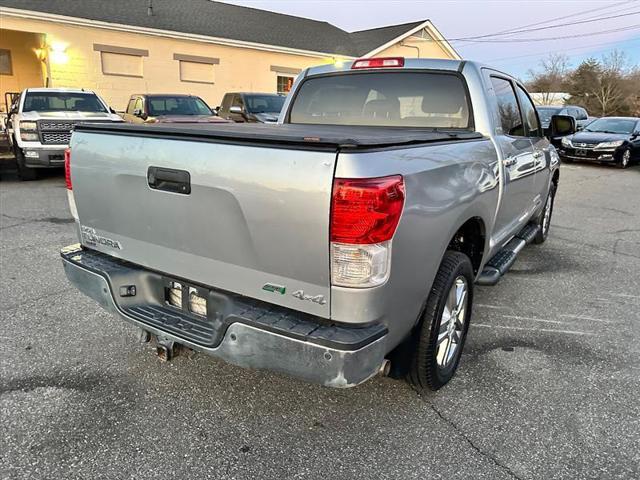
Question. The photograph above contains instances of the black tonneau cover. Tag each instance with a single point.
(295, 135)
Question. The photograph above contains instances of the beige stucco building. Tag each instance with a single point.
(205, 48)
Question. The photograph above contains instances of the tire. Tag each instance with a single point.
(544, 221)
(433, 364)
(625, 159)
(24, 173)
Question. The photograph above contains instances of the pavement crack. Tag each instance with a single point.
(470, 442)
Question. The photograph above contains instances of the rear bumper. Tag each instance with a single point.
(238, 330)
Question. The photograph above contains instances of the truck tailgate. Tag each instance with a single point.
(256, 217)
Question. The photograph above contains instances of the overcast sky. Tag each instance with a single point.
(465, 18)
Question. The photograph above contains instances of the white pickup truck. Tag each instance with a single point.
(40, 121)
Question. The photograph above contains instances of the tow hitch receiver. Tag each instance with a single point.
(166, 349)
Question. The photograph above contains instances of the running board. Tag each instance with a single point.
(504, 259)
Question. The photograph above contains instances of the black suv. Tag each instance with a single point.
(580, 114)
(251, 107)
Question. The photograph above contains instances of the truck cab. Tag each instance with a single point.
(40, 121)
(169, 108)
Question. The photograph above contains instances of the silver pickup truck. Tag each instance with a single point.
(342, 242)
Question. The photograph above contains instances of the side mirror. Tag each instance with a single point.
(562, 125)
(236, 109)
(635, 134)
(139, 113)
(112, 110)
(216, 110)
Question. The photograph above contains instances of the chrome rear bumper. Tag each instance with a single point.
(334, 356)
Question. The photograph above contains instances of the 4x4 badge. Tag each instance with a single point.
(319, 299)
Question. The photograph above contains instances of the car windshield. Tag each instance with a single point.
(159, 106)
(546, 113)
(264, 103)
(62, 102)
(612, 125)
(391, 99)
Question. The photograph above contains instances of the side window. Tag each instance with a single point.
(237, 101)
(529, 114)
(582, 114)
(130, 106)
(139, 105)
(509, 114)
(226, 102)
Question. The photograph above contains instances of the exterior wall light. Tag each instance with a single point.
(58, 53)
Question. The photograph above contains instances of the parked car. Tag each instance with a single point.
(607, 140)
(40, 121)
(169, 108)
(579, 113)
(251, 107)
(345, 241)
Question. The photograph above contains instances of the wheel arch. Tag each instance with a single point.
(470, 238)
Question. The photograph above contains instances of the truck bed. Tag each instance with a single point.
(313, 137)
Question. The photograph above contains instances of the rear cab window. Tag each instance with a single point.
(389, 99)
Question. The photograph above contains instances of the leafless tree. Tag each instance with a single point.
(551, 78)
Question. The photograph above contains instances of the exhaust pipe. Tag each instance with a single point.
(385, 368)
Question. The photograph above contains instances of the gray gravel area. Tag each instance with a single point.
(548, 388)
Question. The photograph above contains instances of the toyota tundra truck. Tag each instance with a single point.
(40, 121)
(342, 242)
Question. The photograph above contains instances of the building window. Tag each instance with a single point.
(196, 69)
(285, 76)
(5, 62)
(284, 84)
(121, 61)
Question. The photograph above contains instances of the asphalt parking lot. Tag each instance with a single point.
(549, 384)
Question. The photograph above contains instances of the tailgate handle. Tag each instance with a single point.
(169, 180)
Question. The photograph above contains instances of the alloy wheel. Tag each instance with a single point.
(547, 214)
(452, 323)
(626, 158)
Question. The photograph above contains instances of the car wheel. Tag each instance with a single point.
(625, 159)
(544, 221)
(444, 324)
(24, 173)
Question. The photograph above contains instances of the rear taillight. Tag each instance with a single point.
(67, 168)
(386, 62)
(364, 217)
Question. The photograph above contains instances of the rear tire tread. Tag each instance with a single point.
(421, 374)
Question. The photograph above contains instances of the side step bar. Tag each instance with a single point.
(504, 259)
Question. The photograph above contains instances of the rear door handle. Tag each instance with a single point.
(169, 180)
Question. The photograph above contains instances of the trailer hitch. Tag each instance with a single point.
(166, 349)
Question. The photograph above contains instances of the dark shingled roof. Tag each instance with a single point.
(215, 19)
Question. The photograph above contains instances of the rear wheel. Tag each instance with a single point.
(544, 222)
(24, 173)
(444, 324)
